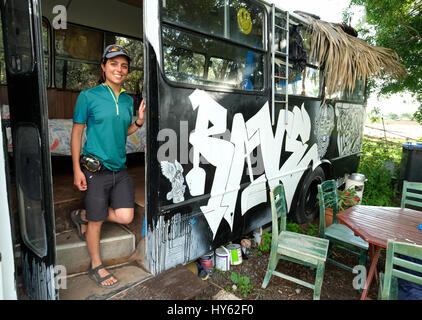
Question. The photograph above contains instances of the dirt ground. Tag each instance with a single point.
(337, 283)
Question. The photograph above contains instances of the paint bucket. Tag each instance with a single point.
(235, 253)
(257, 234)
(207, 261)
(246, 245)
(222, 259)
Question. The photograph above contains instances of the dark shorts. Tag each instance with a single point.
(107, 189)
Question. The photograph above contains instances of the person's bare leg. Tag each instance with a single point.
(93, 243)
(121, 215)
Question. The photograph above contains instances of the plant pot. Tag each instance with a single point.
(328, 217)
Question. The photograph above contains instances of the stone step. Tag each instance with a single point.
(117, 244)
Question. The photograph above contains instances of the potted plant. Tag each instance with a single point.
(346, 199)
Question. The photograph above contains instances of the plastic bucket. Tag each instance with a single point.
(235, 253)
(356, 181)
(207, 261)
(257, 234)
(222, 259)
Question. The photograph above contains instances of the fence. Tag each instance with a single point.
(388, 148)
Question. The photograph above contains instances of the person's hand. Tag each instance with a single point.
(141, 113)
(79, 180)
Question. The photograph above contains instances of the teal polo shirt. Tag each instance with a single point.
(108, 119)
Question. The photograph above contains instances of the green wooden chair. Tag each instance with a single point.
(340, 236)
(388, 289)
(299, 248)
(409, 197)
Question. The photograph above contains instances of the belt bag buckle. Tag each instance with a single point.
(91, 164)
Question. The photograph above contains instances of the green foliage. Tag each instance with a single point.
(308, 229)
(242, 282)
(312, 230)
(375, 115)
(347, 198)
(265, 243)
(378, 189)
(292, 227)
(396, 24)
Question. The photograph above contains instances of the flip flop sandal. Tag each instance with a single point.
(94, 275)
(75, 215)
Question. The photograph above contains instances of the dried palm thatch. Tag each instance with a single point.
(346, 58)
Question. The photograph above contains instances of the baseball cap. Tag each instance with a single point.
(114, 50)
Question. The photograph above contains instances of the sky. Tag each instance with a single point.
(328, 10)
(332, 11)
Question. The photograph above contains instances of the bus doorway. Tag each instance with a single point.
(70, 56)
(76, 52)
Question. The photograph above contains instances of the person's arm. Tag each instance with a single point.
(140, 120)
(79, 179)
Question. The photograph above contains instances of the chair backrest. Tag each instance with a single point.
(410, 197)
(278, 207)
(392, 261)
(327, 195)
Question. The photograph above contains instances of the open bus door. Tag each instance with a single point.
(21, 21)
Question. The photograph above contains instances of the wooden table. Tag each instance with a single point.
(376, 225)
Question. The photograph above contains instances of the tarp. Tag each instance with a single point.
(410, 290)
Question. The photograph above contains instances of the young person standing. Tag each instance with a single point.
(100, 172)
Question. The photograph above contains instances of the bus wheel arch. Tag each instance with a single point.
(307, 209)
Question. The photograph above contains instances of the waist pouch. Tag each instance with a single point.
(90, 163)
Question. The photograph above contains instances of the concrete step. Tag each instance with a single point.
(117, 244)
(81, 287)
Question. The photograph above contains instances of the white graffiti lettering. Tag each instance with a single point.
(229, 156)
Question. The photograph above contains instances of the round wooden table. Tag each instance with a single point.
(377, 225)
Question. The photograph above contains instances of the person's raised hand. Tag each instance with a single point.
(141, 113)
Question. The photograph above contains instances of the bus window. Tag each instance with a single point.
(45, 39)
(357, 95)
(29, 188)
(304, 82)
(246, 69)
(19, 56)
(183, 65)
(219, 69)
(133, 84)
(304, 76)
(78, 54)
(306, 37)
(238, 20)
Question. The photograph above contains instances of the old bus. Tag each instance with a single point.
(224, 126)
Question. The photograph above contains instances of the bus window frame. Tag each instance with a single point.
(341, 100)
(104, 32)
(53, 46)
(264, 26)
(49, 57)
(264, 52)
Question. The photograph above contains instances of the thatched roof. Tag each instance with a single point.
(346, 58)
